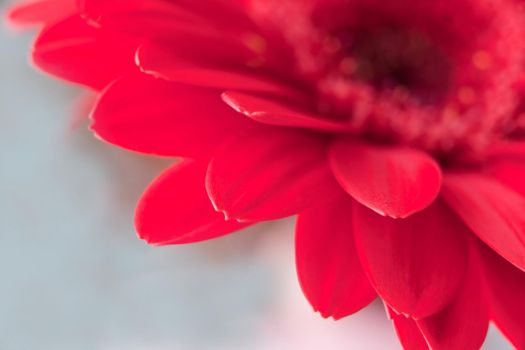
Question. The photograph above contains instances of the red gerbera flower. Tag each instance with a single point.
(393, 129)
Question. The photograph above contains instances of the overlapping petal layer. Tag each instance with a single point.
(175, 209)
(494, 212)
(74, 50)
(42, 12)
(507, 287)
(463, 324)
(269, 174)
(328, 266)
(404, 258)
(152, 116)
(392, 181)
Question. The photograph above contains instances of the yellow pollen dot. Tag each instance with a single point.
(466, 95)
(482, 60)
(348, 66)
(255, 42)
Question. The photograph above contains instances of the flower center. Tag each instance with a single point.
(395, 59)
(445, 76)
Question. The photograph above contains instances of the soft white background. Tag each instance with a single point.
(74, 276)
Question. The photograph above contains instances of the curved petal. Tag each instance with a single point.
(407, 332)
(493, 211)
(415, 264)
(329, 270)
(464, 323)
(154, 15)
(175, 35)
(393, 181)
(271, 111)
(96, 9)
(80, 53)
(507, 149)
(152, 116)
(507, 290)
(509, 171)
(156, 61)
(43, 11)
(269, 174)
(175, 208)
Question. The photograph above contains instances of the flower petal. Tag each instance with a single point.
(271, 111)
(269, 174)
(80, 53)
(493, 211)
(507, 290)
(393, 181)
(508, 149)
(407, 332)
(329, 270)
(174, 35)
(175, 209)
(152, 116)
(43, 11)
(415, 264)
(464, 323)
(510, 172)
(154, 15)
(157, 61)
(187, 73)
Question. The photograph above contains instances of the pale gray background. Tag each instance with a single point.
(74, 275)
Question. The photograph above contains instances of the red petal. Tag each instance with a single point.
(225, 14)
(157, 117)
(408, 332)
(175, 36)
(509, 171)
(392, 181)
(494, 212)
(99, 8)
(241, 50)
(463, 324)
(77, 52)
(175, 209)
(507, 290)
(508, 149)
(415, 264)
(270, 174)
(44, 11)
(223, 79)
(171, 65)
(270, 111)
(328, 267)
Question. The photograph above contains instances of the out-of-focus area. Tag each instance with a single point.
(75, 276)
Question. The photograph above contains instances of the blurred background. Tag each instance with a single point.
(75, 276)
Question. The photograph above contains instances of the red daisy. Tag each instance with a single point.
(393, 129)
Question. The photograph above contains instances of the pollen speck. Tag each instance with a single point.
(255, 43)
(482, 60)
(466, 95)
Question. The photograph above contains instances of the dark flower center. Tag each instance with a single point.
(395, 59)
(446, 76)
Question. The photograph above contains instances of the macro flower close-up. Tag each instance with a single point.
(394, 130)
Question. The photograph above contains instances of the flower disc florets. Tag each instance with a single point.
(438, 75)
